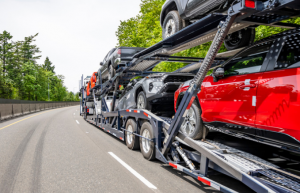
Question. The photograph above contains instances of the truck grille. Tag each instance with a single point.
(177, 78)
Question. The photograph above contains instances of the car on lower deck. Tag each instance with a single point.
(154, 92)
(254, 95)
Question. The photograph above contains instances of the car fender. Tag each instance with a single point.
(180, 5)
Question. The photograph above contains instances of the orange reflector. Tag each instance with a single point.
(135, 111)
(173, 165)
(146, 114)
(204, 181)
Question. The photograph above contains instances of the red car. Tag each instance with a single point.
(258, 96)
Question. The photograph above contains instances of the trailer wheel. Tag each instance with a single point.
(132, 141)
(192, 125)
(147, 147)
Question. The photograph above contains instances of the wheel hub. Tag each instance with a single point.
(234, 38)
(170, 28)
(189, 124)
(129, 134)
(141, 102)
(145, 142)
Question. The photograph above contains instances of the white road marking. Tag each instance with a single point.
(77, 122)
(146, 182)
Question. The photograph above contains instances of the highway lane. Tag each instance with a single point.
(57, 151)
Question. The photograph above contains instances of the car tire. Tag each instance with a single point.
(192, 125)
(240, 39)
(141, 101)
(111, 72)
(172, 24)
(147, 147)
(132, 141)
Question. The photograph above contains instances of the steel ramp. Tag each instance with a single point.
(258, 174)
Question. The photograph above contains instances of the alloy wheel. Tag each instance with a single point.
(189, 124)
(170, 28)
(141, 102)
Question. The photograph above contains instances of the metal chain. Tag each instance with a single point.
(213, 50)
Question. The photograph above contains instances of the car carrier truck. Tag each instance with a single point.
(160, 137)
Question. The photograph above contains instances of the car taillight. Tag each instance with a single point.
(250, 4)
(119, 51)
(88, 110)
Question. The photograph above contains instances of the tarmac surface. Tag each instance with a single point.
(57, 151)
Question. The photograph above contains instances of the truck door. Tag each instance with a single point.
(278, 95)
(231, 101)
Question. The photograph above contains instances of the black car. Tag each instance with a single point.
(115, 58)
(177, 14)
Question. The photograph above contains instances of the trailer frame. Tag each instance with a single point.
(167, 138)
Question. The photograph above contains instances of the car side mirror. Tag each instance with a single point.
(218, 73)
(101, 63)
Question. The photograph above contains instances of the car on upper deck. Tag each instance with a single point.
(115, 58)
(253, 95)
(177, 14)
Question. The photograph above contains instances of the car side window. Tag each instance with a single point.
(290, 54)
(247, 62)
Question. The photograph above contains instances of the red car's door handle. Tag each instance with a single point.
(248, 86)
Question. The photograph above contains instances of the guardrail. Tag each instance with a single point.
(13, 108)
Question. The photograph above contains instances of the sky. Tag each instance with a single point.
(75, 35)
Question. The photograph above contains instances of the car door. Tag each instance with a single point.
(104, 66)
(231, 101)
(191, 4)
(278, 95)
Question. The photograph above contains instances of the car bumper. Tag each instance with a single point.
(162, 98)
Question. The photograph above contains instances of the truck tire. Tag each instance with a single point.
(141, 101)
(147, 147)
(111, 72)
(240, 39)
(172, 24)
(192, 125)
(132, 141)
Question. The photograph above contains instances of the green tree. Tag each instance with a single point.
(144, 30)
(48, 65)
(6, 47)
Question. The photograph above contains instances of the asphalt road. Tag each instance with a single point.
(57, 151)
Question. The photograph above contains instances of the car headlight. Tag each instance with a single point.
(150, 86)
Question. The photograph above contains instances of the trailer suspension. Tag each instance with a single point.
(183, 155)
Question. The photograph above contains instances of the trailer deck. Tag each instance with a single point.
(171, 146)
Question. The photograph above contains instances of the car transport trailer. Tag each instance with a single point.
(160, 138)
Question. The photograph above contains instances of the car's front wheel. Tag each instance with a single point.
(141, 102)
(172, 24)
(111, 72)
(192, 125)
(240, 39)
